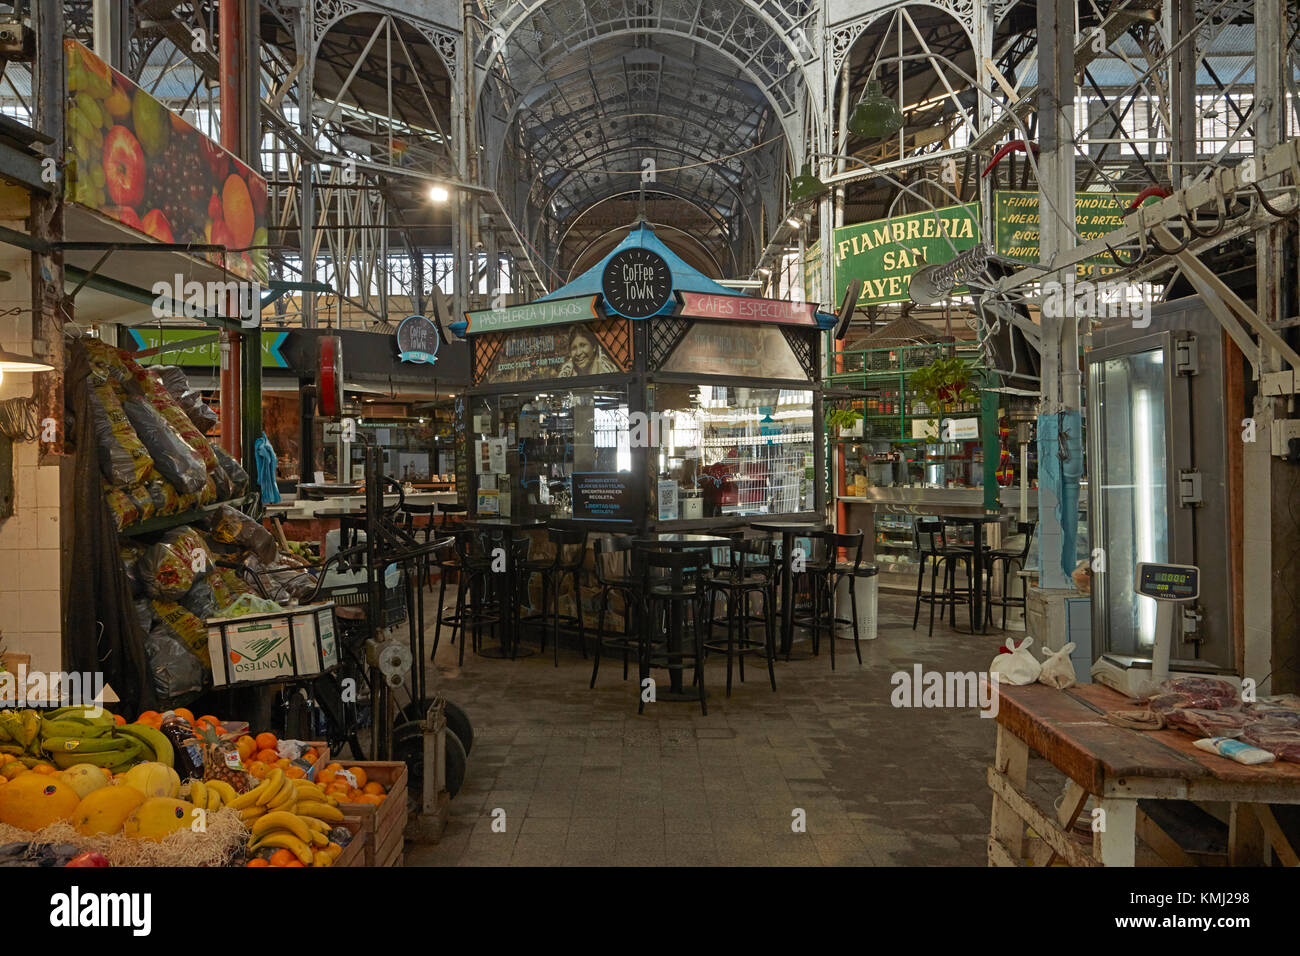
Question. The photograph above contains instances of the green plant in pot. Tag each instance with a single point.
(842, 418)
(944, 382)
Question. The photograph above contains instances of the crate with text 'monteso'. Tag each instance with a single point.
(384, 824)
(279, 646)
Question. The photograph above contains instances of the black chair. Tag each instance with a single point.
(452, 514)
(1009, 557)
(615, 574)
(749, 572)
(476, 606)
(570, 553)
(932, 548)
(824, 572)
(406, 519)
(673, 599)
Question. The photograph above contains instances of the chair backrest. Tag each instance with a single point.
(406, 519)
(680, 566)
(450, 511)
(929, 535)
(850, 543)
(752, 557)
(570, 546)
(1027, 529)
(613, 558)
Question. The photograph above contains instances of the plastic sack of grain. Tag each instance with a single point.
(231, 526)
(173, 458)
(123, 458)
(175, 670)
(162, 400)
(124, 511)
(130, 552)
(169, 568)
(183, 626)
(200, 600)
(234, 472)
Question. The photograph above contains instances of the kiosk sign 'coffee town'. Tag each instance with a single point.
(636, 283)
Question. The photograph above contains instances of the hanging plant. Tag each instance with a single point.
(945, 381)
(843, 417)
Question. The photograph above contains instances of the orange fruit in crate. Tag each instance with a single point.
(294, 773)
(268, 756)
(202, 724)
(257, 861)
(185, 714)
(257, 769)
(296, 862)
(375, 788)
(282, 857)
(246, 746)
(147, 716)
(209, 719)
(372, 799)
(325, 777)
(360, 776)
(311, 755)
(266, 741)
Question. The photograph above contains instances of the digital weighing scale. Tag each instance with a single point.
(1168, 585)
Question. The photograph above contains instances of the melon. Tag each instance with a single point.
(158, 818)
(154, 780)
(84, 778)
(34, 801)
(106, 809)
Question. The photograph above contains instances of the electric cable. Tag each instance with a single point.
(18, 421)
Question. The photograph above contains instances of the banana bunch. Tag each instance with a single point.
(20, 732)
(296, 815)
(210, 795)
(70, 735)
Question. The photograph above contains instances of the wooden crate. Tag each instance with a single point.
(385, 824)
(354, 854)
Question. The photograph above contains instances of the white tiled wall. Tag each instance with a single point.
(30, 602)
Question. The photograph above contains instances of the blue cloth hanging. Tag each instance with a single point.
(265, 456)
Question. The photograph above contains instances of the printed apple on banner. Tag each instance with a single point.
(131, 159)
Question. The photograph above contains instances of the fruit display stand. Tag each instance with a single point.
(354, 854)
(384, 825)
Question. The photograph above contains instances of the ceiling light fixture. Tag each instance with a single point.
(876, 115)
(439, 194)
(13, 362)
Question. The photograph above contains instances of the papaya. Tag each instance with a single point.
(84, 778)
(157, 818)
(154, 780)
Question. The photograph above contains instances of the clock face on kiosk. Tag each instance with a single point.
(636, 283)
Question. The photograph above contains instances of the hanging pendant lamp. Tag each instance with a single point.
(806, 187)
(876, 115)
(13, 362)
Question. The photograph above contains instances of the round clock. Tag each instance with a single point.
(636, 283)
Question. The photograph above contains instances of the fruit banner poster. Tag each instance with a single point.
(133, 160)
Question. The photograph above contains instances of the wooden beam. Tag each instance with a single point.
(1027, 812)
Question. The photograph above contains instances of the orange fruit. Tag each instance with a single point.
(268, 756)
(294, 773)
(147, 716)
(325, 777)
(220, 729)
(311, 757)
(282, 857)
(45, 768)
(257, 769)
(185, 714)
(246, 746)
(201, 724)
(266, 741)
(359, 774)
(119, 720)
(371, 798)
(334, 767)
(3, 780)
(257, 861)
(374, 787)
(296, 863)
(311, 751)
(209, 719)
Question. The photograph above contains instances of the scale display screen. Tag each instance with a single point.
(1169, 582)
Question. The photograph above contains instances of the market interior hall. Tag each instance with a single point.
(645, 433)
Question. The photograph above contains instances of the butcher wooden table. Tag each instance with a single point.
(1117, 767)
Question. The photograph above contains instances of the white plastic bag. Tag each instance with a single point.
(1018, 667)
(1058, 669)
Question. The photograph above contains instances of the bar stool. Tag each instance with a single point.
(406, 519)
(672, 586)
(824, 574)
(475, 606)
(963, 555)
(932, 548)
(749, 572)
(452, 513)
(615, 575)
(1009, 557)
(570, 553)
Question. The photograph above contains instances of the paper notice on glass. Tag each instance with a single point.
(667, 500)
(503, 502)
(487, 482)
(482, 458)
(489, 502)
(497, 455)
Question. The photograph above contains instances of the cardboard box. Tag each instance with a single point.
(385, 824)
(260, 648)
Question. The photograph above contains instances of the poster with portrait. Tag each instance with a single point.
(562, 351)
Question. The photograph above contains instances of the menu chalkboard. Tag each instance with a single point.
(603, 496)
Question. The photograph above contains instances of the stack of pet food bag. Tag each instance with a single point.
(156, 462)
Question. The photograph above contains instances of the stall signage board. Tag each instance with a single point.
(884, 254)
(1016, 225)
(204, 355)
(744, 308)
(636, 283)
(603, 496)
(549, 312)
(417, 340)
(531, 355)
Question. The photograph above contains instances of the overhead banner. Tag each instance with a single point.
(204, 355)
(742, 308)
(530, 355)
(1016, 225)
(532, 315)
(417, 340)
(884, 254)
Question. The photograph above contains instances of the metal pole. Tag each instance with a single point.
(248, 124)
(229, 96)
(306, 170)
(1060, 423)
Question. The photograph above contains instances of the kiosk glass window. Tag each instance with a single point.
(549, 437)
(730, 450)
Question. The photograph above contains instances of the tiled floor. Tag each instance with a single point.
(574, 776)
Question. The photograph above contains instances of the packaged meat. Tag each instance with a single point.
(1200, 686)
(1282, 742)
(1163, 703)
